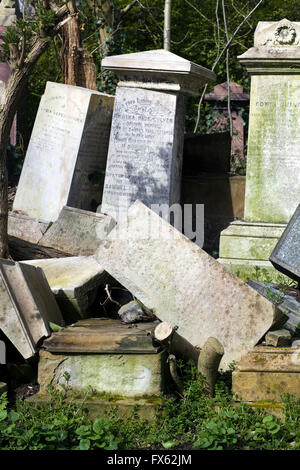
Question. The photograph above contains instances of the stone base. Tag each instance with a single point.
(146, 408)
(3, 388)
(264, 374)
(245, 248)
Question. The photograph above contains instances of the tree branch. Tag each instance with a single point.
(128, 7)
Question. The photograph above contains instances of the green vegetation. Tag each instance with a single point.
(188, 422)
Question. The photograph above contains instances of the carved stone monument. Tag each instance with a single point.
(68, 144)
(146, 142)
(273, 161)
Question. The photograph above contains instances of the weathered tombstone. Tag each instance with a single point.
(27, 305)
(185, 286)
(68, 144)
(286, 254)
(273, 164)
(146, 142)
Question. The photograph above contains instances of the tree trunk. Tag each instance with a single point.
(208, 364)
(78, 68)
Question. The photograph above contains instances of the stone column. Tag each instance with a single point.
(146, 142)
(273, 161)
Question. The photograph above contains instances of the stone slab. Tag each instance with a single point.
(285, 256)
(77, 231)
(125, 375)
(265, 373)
(145, 151)
(27, 305)
(68, 143)
(74, 282)
(103, 335)
(289, 305)
(183, 285)
(26, 228)
(278, 338)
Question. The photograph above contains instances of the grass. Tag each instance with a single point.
(189, 422)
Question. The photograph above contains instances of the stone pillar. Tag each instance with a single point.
(146, 142)
(273, 161)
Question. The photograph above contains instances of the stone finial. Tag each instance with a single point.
(158, 70)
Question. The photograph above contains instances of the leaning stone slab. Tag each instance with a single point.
(77, 231)
(68, 145)
(278, 338)
(185, 286)
(27, 305)
(74, 282)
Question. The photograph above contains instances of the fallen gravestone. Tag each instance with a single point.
(74, 282)
(77, 231)
(27, 305)
(146, 142)
(288, 304)
(185, 286)
(285, 256)
(68, 145)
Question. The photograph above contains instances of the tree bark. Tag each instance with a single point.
(78, 67)
(208, 364)
(175, 343)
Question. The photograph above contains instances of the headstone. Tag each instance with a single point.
(285, 256)
(26, 228)
(27, 305)
(185, 286)
(68, 145)
(74, 282)
(77, 231)
(146, 142)
(273, 164)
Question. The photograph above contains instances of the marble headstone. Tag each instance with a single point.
(147, 134)
(68, 144)
(286, 254)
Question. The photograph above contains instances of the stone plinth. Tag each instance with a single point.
(273, 163)
(265, 373)
(107, 356)
(146, 142)
(185, 286)
(68, 145)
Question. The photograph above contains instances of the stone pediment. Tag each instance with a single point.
(283, 33)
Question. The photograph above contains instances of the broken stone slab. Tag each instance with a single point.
(265, 373)
(27, 305)
(25, 227)
(185, 286)
(289, 305)
(105, 355)
(77, 231)
(278, 338)
(296, 343)
(74, 282)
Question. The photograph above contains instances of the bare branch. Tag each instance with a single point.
(22, 55)
(128, 7)
(227, 73)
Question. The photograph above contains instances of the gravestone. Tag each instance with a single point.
(27, 305)
(146, 142)
(273, 163)
(68, 144)
(286, 254)
(185, 286)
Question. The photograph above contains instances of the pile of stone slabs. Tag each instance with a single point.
(265, 373)
(119, 363)
(185, 286)
(74, 282)
(285, 256)
(27, 305)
